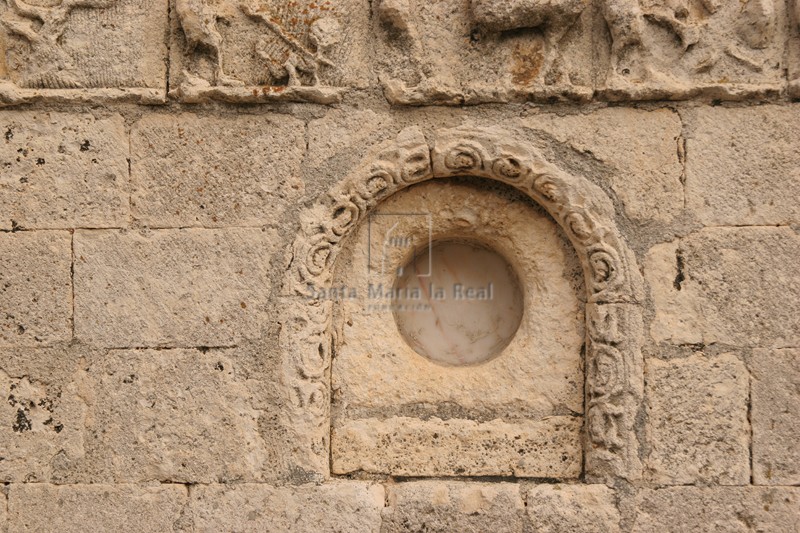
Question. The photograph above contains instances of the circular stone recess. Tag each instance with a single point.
(458, 303)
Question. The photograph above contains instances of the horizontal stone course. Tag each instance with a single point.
(337, 506)
(571, 508)
(172, 287)
(717, 509)
(43, 508)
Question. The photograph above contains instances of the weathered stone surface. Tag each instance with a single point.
(42, 508)
(199, 171)
(570, 508)
(776, 416)
(697, 426)
(643, 156)
(43, 414)
(3, 509)
(173, 416)
(35, 288)
(672, 50)
(737, 286)
(456, 52)
(441, 507)
(336, 506)
(403, 446)
(718, 509)
(743, 167)
(62, 171)
(171, 287)
(95, 49)
(270, 51)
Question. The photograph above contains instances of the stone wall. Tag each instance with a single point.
(173, 173)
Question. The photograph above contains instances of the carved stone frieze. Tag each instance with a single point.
(266, 50)
(82, 50)
(613, 284)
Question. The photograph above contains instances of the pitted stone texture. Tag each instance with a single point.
(743, 166)
(643, 156)
(737, 286)
(717, 509)
(35, 288)
(62, 171)
(443, 507)
(413, 447)
(171, 287)
(181, 416)
(339, 506)
(697, 425)
(223, 171)
(571, 508)
(776, 416)
(3, 513)
(43, 508)
(86, 45)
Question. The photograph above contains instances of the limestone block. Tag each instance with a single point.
(35, 288)
(442, 507)
(334, 506)
(92, 50)
(743, 167)
(181, 416)
(403, 446)
(251, 52)
(776, 417)
(63, 171)
(193, 171)
(171, 287)
(717, 509)
(570, 508)
(3, 512)
(737, 286)
(42, 508)
(662, 49)
(454, 52)
(643, 156)
(697, 426)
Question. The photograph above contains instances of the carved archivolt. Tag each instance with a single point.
(613, 284)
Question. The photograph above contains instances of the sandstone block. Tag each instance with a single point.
(171, 287)
(334, 506)
(742, 165)
(570, 508)
(643, 156)
(63, 171)
(776, 417)
(172, 416)
(35, 288)
(437, 506)
(411, 447)
(199, 171)
(42, 508)
(737, 286)
(697, 426)
(716, 509)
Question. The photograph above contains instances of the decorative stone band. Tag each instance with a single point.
(614, 286)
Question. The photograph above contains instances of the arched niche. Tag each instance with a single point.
(613, 361)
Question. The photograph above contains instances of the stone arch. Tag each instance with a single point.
(613, 360)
